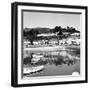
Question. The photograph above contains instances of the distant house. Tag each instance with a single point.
(65, 33)
(39, 42)
(47, 34)
(73, 41)
(26, 43)
(69, 41)
(75, 34)
(53, 41)
(61, 42)
(35, 43)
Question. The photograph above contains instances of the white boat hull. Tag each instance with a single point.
(30, 70)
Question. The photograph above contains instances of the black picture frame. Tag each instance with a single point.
(14, 43)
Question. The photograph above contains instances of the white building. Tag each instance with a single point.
(46, 35)
(53, 41)
(75, 34)
(26, 43)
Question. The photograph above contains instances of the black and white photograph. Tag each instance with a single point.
(50, 44)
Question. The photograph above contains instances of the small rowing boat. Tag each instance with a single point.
(30, 70)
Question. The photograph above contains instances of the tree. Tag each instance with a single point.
(31, 35)
(57, 29)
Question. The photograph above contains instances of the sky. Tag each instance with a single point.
(43, 19)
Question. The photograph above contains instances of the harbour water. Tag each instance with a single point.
(51, 63)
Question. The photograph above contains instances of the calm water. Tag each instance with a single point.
(49, 63)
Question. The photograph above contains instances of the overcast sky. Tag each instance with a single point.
(43, 19)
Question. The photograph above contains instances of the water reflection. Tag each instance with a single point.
(42, 61)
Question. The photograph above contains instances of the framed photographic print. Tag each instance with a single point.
(49, 44)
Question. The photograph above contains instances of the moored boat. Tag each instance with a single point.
(30, 70)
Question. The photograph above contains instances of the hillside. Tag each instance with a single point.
(48, 30)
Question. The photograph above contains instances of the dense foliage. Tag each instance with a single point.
(31, 33)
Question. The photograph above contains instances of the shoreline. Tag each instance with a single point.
(50, 48)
